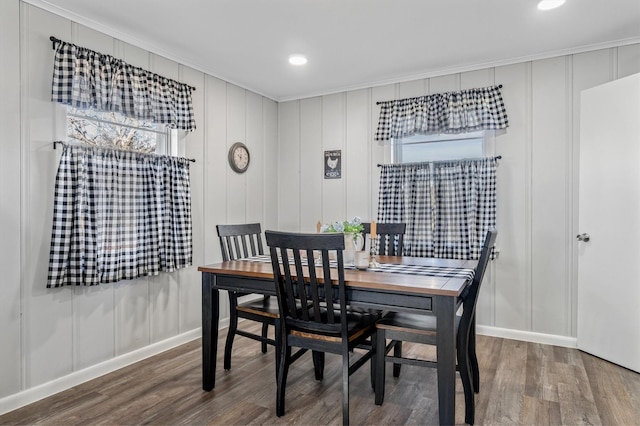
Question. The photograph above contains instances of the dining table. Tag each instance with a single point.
(394, 283)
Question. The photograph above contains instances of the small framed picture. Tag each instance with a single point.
(333, 164)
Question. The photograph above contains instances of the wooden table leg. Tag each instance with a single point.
(210, 319)
(446, 353)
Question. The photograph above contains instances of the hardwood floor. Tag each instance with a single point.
(521, 383)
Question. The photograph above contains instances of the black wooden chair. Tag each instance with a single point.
(237, 242)
(421, 328)
(313, 310)
(387, 235)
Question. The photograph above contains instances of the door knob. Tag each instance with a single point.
(583, 237)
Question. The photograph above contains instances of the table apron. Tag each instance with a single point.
(245, 284)
(368, 298)
(391, 301)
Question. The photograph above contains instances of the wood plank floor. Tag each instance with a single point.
(521, 383)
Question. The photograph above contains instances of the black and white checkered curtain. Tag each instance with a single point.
(86, 79)
(405, 196)
(118, 215)
(465, 206)
(447, 206)
(449, 112)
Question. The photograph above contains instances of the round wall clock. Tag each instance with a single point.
(239, 157)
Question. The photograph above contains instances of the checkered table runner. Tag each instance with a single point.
(432, 271)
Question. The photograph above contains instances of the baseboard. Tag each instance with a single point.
(44, 390)
(527, 336)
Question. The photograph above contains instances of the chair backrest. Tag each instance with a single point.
(309, 303)
(390, 237)
(470, 296)
(240, 241)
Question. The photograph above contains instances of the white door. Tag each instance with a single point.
(609, 262)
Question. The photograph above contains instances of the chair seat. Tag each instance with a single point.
(267, 307)
(356, 321)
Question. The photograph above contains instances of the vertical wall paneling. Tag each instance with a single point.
(48, 314)
(271, 164)
(513, 277)
(236, 132)
(255, 173)
(445, 83)
(357, 168)
(333, 137)
(410, 89)
(216, 171)
(192, 146)
(628, 60)
(289, 166)
(215, 164)
(549, 210)
(312, 157)
(10, 185)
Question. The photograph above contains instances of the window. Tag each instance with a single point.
(112, 129)
(119, 213)
(443, 188)
(419, 148)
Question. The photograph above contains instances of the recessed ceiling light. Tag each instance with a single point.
(550, 4)
(297, 59)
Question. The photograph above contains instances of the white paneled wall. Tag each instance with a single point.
(530, 291)
(10, 189)
(54, 338)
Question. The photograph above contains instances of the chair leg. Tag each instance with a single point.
(265, 330)
(473, 359)
(345, 387)
(318, 364)
(282, 370)
(278, 336)
(372, 361)
(233, 326)
(381, 343)
(465, 375)
(397, 352)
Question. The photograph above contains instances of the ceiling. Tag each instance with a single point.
(352, 44)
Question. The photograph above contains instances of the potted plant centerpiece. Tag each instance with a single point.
(353, 239)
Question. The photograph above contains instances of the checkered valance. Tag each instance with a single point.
(87, 79)
(449, 112)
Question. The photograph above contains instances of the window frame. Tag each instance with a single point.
(166, 140)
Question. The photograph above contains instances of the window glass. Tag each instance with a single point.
(112, 129)
(439, 147)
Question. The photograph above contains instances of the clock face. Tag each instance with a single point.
(239, 157)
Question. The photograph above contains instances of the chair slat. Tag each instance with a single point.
(389, 236)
